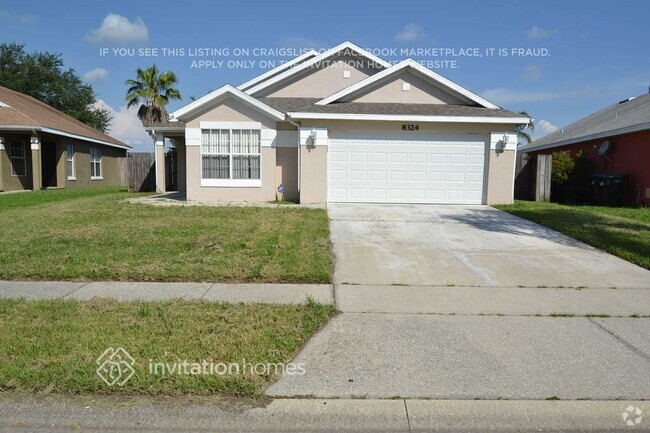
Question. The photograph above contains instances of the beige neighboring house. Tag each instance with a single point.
(344, 126)
(41, 147)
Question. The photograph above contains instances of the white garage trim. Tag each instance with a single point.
(413, 168)
(409, 118)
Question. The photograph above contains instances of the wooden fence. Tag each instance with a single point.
(533, 177)
(142, 171)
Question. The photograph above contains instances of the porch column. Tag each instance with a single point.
(2, 157)
(160, 162)
(37, 183)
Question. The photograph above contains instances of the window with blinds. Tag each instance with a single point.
(230, 153)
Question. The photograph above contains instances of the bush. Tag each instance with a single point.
(563, 165)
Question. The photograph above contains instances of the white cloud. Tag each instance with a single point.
(539, 32)
(411, 32)
(544, 127)
(96, 74)
(506, 96)
(118, 29)
(532, 72)
(126, 127)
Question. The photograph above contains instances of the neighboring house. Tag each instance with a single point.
(344, 126)
(626, 128)
(40, 147)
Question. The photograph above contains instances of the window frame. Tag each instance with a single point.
(12, 143)
(93, 162)
(231, 182)
(69, 158)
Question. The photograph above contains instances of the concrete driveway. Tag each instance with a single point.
(434, 245)
(502, 331)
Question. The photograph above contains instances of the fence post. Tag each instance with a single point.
(543, 178)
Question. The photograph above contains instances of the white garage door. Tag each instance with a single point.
(406, 168)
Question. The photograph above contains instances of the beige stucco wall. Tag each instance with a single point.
(421, 92)
(231, 110)
(286, 171)
(313, 183)
(112, 158)
(501, 167)
(15, 183)
(323, 81)
(196, 192)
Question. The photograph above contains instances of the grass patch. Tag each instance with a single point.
(51, 346)
(623, 232)
(93, 234)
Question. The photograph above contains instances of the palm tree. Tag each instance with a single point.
(521, 129)
(152, 91)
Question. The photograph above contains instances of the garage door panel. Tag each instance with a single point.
(415, 168)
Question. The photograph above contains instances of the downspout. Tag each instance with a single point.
(297, 125)
(155, 158)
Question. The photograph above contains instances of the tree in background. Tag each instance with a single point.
(41, 75)
(521, 129)
(153, 91)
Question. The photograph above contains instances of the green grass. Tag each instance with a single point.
(624, 232)
(51, 346)
(93, 234)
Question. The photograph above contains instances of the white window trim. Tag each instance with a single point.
(68, 158)
(230, 183)
(92, 161)
(11, 158)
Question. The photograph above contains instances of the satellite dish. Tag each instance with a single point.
(604, 148)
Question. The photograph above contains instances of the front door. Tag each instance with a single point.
(48, 164)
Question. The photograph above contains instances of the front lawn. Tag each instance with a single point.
(624, 232)
(52, 346)
(96, 235)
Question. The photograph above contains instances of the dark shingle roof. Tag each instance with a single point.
(307, 105)
(626, 114)
(23, 110)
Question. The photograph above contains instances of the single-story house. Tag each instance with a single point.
(344, 125)
(41, 147)
(616, 140)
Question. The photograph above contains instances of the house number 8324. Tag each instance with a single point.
(411, 127)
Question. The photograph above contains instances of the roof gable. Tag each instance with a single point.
(406, 87)
(435, 79)
(221, 94)
(276, 71)
(345, 49)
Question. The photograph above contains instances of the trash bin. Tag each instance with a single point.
(608, 189)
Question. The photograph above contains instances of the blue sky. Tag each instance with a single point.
(598, 51)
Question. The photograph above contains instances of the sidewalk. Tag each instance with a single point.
(509, 301)
(149, 414)
(153, 291)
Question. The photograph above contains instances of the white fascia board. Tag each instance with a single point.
(27, 128)
(165, 128)
(398, 67)
(345, 46)
(640, 127)
(282, 67)
(225, 90)
(410, 118)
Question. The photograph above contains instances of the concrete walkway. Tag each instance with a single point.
(129, 291)
(109, 414)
